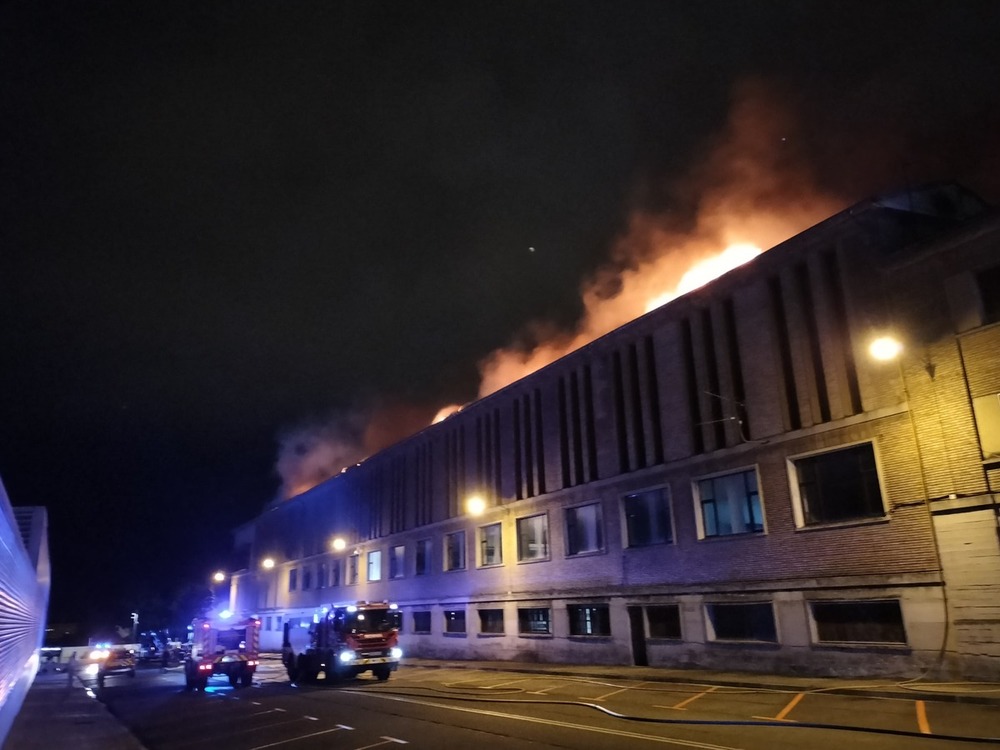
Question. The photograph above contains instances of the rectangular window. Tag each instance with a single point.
(454, 621)
(421, 622)
(307, 578)
(742, 622)
(729, 504)
(987, 413)
(293, 579)
(589, 619)
(454, 550)
(422, 557)
(491, 621)
(841, 485)
(375, 565)
(988, 281)
(647, 518)
(335, 573)
(397, 559)
(534, 621)
(267, 623)
(584, 529)
(352, 569)
(859, 622)
(322, 575)
(490, 545)
(664, 621)
(533, 538)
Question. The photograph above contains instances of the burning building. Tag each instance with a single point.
(734, 477)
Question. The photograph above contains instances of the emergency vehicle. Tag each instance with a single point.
(344, 641)
(222, 646)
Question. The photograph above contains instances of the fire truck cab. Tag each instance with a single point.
(346, 640)
(223, 646)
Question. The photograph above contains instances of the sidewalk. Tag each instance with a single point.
(57, 715)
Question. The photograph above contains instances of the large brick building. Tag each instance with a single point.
(731, 480)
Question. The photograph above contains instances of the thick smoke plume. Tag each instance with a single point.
(752, 187)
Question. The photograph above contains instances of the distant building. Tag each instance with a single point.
(24, 598)
(732, 480)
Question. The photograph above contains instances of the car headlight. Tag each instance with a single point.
(396, 653)
(92, 669)
(346, 656)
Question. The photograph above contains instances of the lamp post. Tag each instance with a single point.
(475, 505)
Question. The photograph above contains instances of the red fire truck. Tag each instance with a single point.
(346, 640)
(223, 646)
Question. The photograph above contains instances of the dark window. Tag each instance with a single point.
(589, 619)
(454, 621)
(293, 579)
(859, 622)
(322, 576)
(421, 622)
(454, 551)
(422, 556)
(730, 504)
(664, 621)
(491, 621)
(743, 622)
(584, 532)
(490, 545)
(988, 281)
(839, 486)
(335, 573)
(352, 570)
(533, 538)
(647, 516)
(534, 621)
(397, 557)
(307, 578)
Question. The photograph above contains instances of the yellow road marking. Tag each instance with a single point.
(681, 706)
(925, 726)
(785, 711)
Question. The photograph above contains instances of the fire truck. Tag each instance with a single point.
(344, 641)
(222, 646)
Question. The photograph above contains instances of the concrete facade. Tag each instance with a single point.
(730, 481)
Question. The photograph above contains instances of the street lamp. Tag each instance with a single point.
(885, 348)
(475, 505)
(267, 563)
(219, 576)
(339, 544)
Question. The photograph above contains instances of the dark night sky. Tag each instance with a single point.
(220, 219)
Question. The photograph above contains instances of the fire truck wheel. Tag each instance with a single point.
(246, 678)
(382, 673)
(203, 683)
(233, 679)
(100, 680)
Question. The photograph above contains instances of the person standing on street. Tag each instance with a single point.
(71, 669)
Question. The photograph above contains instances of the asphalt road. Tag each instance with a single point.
(482, 710)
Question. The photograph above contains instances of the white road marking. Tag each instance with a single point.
(387, 741)
(312, 718)
(547, 722)
(296, 739)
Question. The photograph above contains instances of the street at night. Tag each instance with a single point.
(447, 707)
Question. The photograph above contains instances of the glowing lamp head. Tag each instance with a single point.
(339, 544)
(267, 563)
(475, 506)
(219, 576)
(885, 348)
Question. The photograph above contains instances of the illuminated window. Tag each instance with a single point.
(858, 622)
(589, 619)
(728, 504)
(840, 485)
(647, 518)
(397, 559)
(491, 621)
(293, 579)
(534, 621)
(454, 621)
(987, 413)
(533, 538)
(584, 530)
(454, 551)
(375, 565)
(664, 621)
(352, 569)
(490, 545)
(753, 621)
(421, 622)
(422, 557)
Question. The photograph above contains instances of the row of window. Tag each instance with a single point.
(868, 621)
(835, 486)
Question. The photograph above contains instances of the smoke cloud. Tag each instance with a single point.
(753, 186)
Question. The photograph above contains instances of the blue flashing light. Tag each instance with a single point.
(315, 617)
(225, 614)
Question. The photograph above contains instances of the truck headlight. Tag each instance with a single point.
(346, 656)
(396, 653)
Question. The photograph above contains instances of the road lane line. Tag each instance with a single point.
(613, 692)
(296, 739)
(785, 711)
(311, 718)
(547, 722)
(682, 705)
(925, 726)
(379, 744)
(504, 684)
